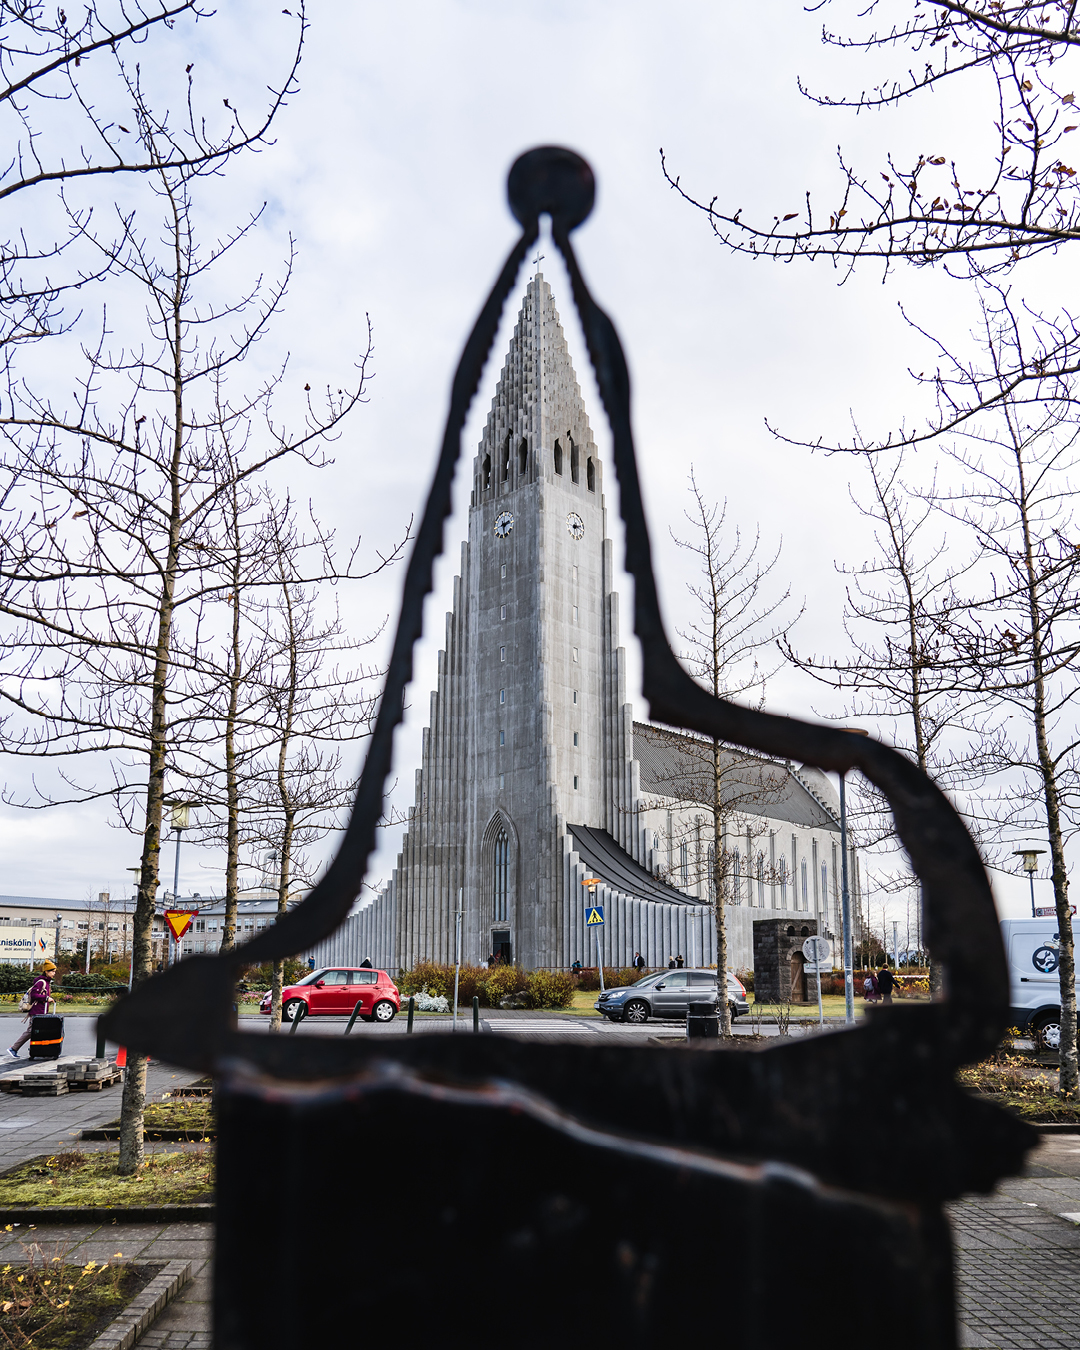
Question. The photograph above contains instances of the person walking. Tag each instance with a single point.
(639, 962)
(40, 995)
(870, 988)
(885, 983)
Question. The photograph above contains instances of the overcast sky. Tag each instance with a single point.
(389, 171)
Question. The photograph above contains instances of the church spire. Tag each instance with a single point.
(537, 426)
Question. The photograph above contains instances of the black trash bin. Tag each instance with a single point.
(701, 1020)
(46, 1036)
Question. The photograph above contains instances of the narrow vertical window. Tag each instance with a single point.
(502, 614)
(502, 695)
(736, 877)
(805, 895)
(575, 738)
(502, 653)
(574, 459)
(502, 780)
(506, 460)
(590, 474)
(575, 571)
(558, 457)
(501, 862)
(575, 782)
(575, 695)
(523, 457)
(487, 472)
(575, 653)
(782, 865)
(712, 872)
(684, 864)
(502, 737)
(824, 884)
(761, 879)
(575, 613)
(503, 572)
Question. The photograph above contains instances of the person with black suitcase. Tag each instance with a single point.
(39, 996)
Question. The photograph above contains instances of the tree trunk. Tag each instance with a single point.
(719, 880)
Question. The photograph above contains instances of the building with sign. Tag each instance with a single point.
(534, 775)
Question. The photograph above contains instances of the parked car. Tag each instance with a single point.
(667, 995)
(336, 991)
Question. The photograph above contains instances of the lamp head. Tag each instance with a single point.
(1030, 857)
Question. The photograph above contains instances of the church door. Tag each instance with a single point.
(500, 947)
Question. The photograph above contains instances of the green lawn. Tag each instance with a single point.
(90, 1178)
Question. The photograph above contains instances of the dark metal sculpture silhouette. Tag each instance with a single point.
(456, 1188)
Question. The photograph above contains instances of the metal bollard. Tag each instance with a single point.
(475, 1013)
(412, 1010)
(99, 1049)
(297, 1015)
(352, 1019)
(702, 1021)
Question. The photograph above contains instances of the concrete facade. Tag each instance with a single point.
(531, 771)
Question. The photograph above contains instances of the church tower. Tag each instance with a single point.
(534, 779)
(529, 728)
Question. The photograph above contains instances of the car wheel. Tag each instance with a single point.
(383, 1011)
(733, 1010)
(295, 1007)
(636, 1011)
(1048, 1031)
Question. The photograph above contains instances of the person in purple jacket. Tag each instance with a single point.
(40, 994)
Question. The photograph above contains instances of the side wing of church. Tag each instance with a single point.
(534, 775)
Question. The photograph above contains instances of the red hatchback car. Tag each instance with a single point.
(336, 992)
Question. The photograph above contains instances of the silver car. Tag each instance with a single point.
(668, 995)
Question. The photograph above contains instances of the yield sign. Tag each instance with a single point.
(179, 921)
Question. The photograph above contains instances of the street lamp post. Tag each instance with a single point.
(845, 895)
(1031, 866)
(56, 944)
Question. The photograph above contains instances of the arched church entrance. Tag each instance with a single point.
(499, 865)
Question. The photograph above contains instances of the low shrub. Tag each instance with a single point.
(747, 978)
(504, 982)
(550, 989)
(78, 980)
(436, 978)
(15, 979)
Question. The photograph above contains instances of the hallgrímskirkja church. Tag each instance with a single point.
(534, 774)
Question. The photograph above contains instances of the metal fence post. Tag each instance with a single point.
(475, 1013)
(412, 1010)
(352, 1019)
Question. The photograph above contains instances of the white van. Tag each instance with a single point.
(1031, 950)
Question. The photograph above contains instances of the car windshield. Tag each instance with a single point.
(645, 979)
(310, 979)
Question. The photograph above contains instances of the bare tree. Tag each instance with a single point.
(930, 211)
(1018, 640)
(309, 709)
(902, 668)
(109, 510)
(83, 98)
(733, 622)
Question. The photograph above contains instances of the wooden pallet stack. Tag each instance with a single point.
(92, 1075)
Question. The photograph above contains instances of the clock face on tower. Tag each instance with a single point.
(575, 525)
(504, 523)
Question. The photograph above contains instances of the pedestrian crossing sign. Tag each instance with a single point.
(594, 916)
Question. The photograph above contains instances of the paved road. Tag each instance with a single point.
(520, 1023)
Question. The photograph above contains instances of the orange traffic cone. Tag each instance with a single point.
(121, 1057)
